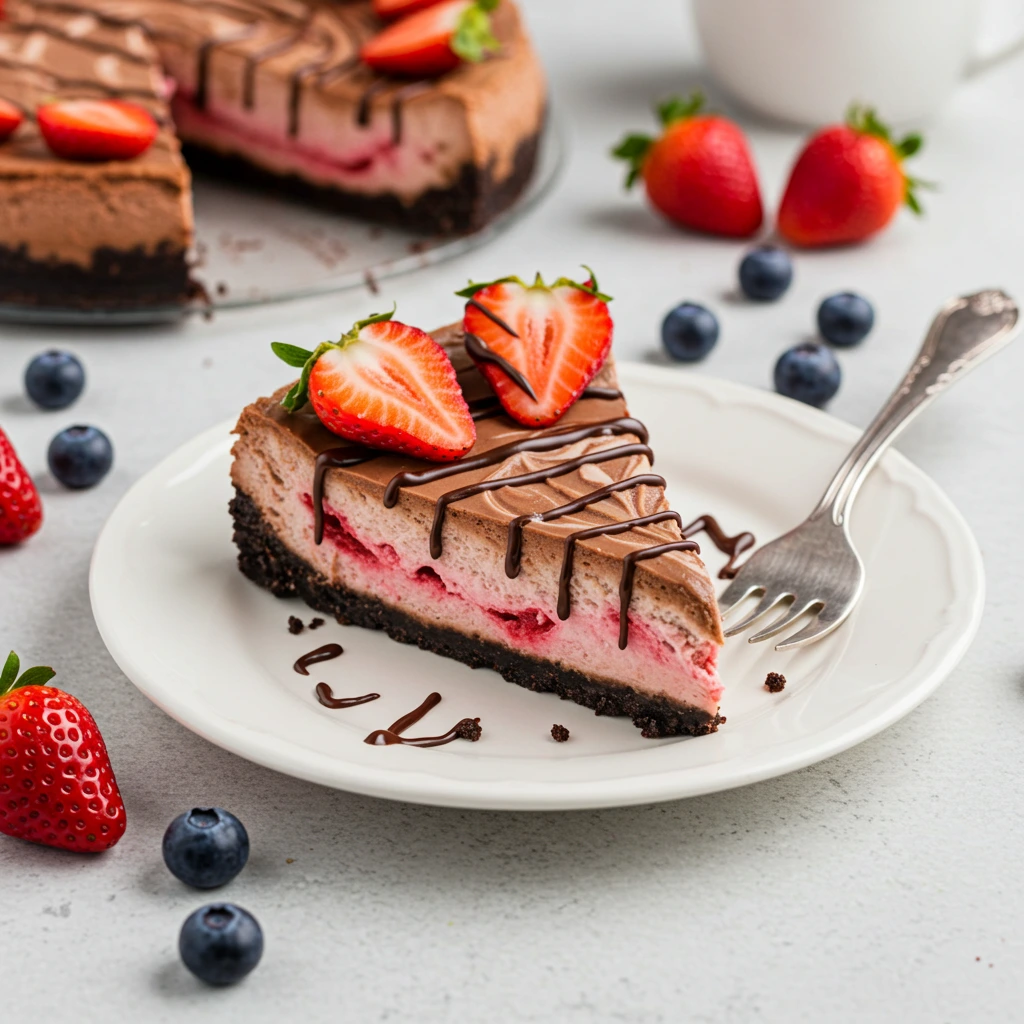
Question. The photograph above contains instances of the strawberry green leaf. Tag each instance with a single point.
(473, 39)
(298, 393)
(10, 680)
(538, 282)
(40, 675)
(677, 108)
(909, 145)
(9, 672)
(478, 286)
(633, 149)
(291, 354)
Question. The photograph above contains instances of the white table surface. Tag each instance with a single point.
(883, 884)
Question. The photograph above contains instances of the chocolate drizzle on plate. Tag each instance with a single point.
(325, 653)
(467, 728)
(326, 697)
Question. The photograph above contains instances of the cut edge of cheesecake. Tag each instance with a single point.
(374, 569)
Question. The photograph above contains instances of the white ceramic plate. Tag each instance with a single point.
(213, 650)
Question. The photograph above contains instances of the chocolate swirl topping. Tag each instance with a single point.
(468, 728)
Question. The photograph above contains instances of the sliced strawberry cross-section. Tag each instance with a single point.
(554, 339)
(385, 385)
(96, 129)
(433, 41)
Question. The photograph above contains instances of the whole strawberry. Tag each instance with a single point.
(699, 173)
(21, 511)
(56, 784)
(848, 183)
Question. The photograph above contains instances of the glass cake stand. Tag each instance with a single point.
(253, 248)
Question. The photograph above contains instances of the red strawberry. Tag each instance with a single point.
(21, 511)
(557, 337)
(848, 183)
(433, 40)
(10, 116)
(56, 784)
(699, 173)
(385, 385)
(389, 10)
(96, 129)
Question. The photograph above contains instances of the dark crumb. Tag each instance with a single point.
(469, 729)
(559, 733)
(775, 682)
(315, 623)
(295, 625)
(371, 283)
(222, 288)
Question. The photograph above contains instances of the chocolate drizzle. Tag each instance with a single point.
(545, 441)
(326, 697)
(537, 476)
(325, 653)
(492, 316)
(480, 352)
(393, 734)
(731, 546)
(339, 38)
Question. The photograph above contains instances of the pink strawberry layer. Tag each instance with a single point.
(334, 151)
(516, 613)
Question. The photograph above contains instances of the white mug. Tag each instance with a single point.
(807, 60)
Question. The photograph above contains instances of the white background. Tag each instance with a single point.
(884, 884)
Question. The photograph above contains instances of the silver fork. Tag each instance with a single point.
(815, 569)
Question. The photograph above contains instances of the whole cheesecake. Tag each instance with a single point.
(573, 577)
(270, 91)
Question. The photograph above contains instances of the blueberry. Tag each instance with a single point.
(689, 332)
(205, 848)
(54, 379)
(220, 943)
(845, 319)
(765, 273)
(808, 372)
(80, 456)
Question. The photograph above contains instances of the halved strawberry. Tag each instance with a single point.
(434, 40)
(389, 10)
(386, 385)
(557, 337)
(96, 129)
(10, 117)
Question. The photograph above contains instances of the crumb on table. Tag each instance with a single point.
(315, 623)
(775, 682)
(469, 729)
(295, 625)
(559, 733)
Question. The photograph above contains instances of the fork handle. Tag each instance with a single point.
(965, 333)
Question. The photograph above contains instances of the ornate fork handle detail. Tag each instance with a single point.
(966, 332)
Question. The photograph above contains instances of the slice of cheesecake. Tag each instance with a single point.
(549, 555)
(88, 235)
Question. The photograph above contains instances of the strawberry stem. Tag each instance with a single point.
(589, 286)
(40, 675)
(634, 148)
(298, 393)
(473, 39)
(866, 121)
